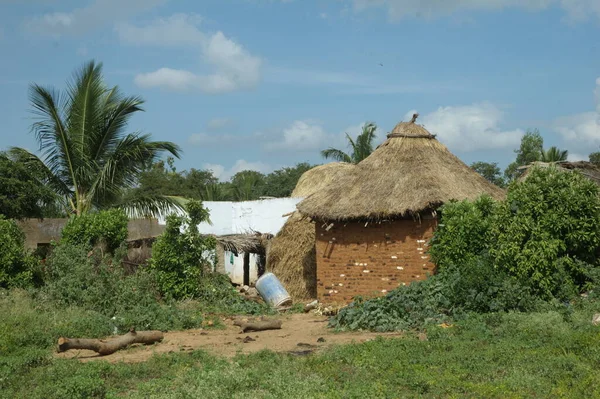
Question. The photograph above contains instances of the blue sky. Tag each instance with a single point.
(261, 84)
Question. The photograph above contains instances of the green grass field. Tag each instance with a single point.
(516, 355)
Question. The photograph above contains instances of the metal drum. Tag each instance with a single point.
(272, 291)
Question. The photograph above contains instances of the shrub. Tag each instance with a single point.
(107, 228)
(181, 258)
(98, 283)
(546, 229)
(455, 291)
(17, 266)
(462, 232)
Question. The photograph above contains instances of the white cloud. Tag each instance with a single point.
(85, 19)
(582, 131)
(301, 136)
(470, 127)
(399, 9)
(224, 174)
(234, 67)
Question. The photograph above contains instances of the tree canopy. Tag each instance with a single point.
(21, 194)
(87, 158)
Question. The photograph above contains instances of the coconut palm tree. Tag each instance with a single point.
(87, 158)
(362, 147)
(553, 154)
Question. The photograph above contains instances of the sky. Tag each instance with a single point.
(263, 84)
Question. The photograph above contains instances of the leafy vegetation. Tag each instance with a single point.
(87, 159)
(17, 267)
(97, 283)
(530, 150)
(108, 228)
(547, 231)
(21, 194)
(490, 171)
(542, 354)
(163, 178)
(362, 147)
(180, 258)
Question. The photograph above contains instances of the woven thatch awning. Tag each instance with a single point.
(409, 173)
(236, 243)
(587, 169)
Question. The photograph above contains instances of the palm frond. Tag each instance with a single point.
(51, 133)
(338, 155)
(85, 112)
(117, 112)
(123, 166)
(39, 170)
(156, 206)
(554, 154)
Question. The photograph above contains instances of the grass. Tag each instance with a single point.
(505, 355)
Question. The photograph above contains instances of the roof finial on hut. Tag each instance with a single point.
(414, 118)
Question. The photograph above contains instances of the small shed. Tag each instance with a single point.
(373, 224)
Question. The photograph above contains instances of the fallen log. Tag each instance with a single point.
(104, 348)
(261, 325)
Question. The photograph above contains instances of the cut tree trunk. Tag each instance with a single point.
(261, 325)
(104, 348)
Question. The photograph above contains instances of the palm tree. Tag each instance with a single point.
(361, 148)
(553, 154)
(87, 159)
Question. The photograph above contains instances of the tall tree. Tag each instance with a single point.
(490, 171)
(281, 182)
(87, 158)
(362, 147)
(595, 158)
(247, 185)
(530, 150)
(554, 154)
(21, 194)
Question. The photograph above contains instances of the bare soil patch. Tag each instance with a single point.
(300, 334)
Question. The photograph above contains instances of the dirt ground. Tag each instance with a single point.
(300, 334)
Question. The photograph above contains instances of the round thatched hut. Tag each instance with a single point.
(373, 223)
(291, 254)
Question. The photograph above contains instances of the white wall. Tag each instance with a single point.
(264, 216)
(235, 269)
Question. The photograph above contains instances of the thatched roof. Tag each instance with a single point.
(587, 169)
(291, 256)
(409, 173)
(320, 177)
(237, 243)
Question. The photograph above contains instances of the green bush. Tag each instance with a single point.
(546, 229)
(454, 292)
(462, 232)
(107, 228)
(181, 258)
(17, 266)
(98, 283)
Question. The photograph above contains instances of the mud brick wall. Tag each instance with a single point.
(356, 260)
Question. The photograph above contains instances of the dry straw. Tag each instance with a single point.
(291, 256)
(409, 173)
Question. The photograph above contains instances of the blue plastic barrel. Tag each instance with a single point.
(272, 291)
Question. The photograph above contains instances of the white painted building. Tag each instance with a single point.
(264, 216)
